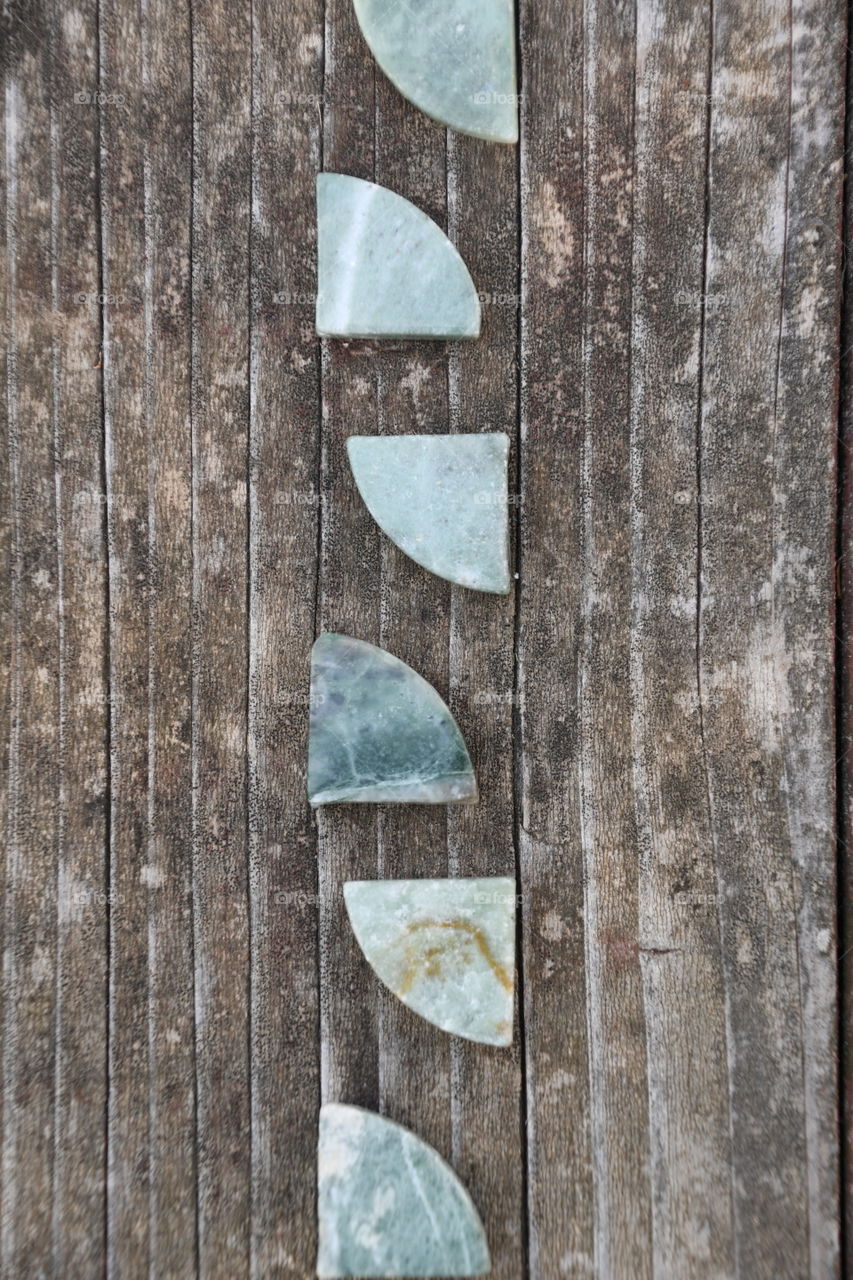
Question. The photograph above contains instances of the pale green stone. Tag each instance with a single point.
(442, 499)
(379, 732)
(384, 269)
(455, 59)
(388, 1205)
(446, 948)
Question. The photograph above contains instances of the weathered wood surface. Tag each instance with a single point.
(651, 712)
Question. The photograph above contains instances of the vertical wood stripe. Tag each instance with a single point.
(650, 712)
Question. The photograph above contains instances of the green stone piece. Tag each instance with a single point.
(442, 499)
(379, 732)
(388, 1205)
(386, 270)
(454, 59)
(446, 948)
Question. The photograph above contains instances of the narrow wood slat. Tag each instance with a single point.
(806, 448)
(688, 1108)
(126, 449)
(8, 534)
(221, 37)
(349, 595)
(78, 1242)
(765, 623)
(33, 833)
(167, 78)
(287, 87)
(559, 1150)
(844, 744)
(145, 208)
(613, 929)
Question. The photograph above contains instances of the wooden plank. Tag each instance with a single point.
(8, 531)
(126, 465)
(483, 215)
(765, 640)
(555, 993)
(167, 873)
(78, 1241)
(145, 194)
(286, 94)
(221, 80)
(349, 595)
(33, 833)
(844, 676)
(614, 928)
(679, 942)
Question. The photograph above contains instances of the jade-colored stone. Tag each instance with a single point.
(454, 59)
(446, 948)
(386, 270)
(388, 1205)
(379, 732)
(442, 499)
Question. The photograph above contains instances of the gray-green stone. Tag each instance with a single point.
(455, 59)
(384, 269)
(446, 948)
(442, 499)
(388, 1205)
(379, 732)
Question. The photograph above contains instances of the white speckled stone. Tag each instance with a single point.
(386, 270)
(446, 948)
(388, 1205)
(442, 499)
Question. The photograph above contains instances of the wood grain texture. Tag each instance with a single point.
(650, 712)
(82, 903)
(221, 211)
(283, 524)
(844, 687)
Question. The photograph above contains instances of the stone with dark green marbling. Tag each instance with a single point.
(454, 59)
(386, 270)
(442, 499)
(379, 732)
(446, 948)
(388, 1205)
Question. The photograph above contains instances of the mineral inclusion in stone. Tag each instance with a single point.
(386, 270)
(388, 1205)
(454, 59)
(446, 948)
(379, 732)
(442, 499)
